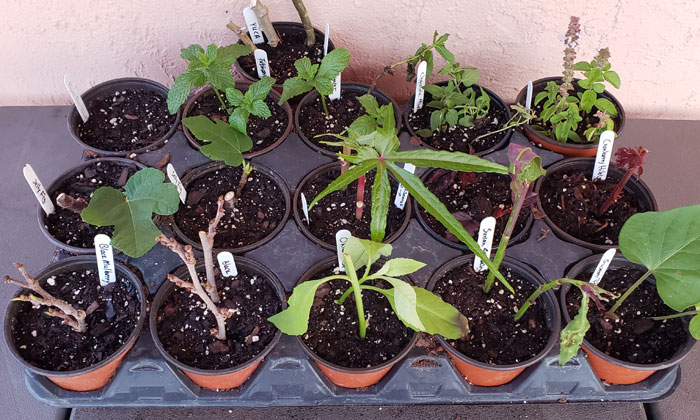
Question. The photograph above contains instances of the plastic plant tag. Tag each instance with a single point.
(336, 89)
(325, 39)
(305, 208)
(528, 96)
(420, 82)
(227, 264)
(602, 157)
(485, 241)
(602, 266)
(251, 20)
(402, 192)
(77, 99)
(105, 259)
(261, 63)
(38, 189)
(172, 175)
(341, 238)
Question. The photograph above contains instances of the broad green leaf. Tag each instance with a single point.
(445, 53)
(219, 77)
(613, 78)
(599, 87)
(572, 335)
(470, 77)
(668, 244)
(238, 120)
(260, 109)
(399, 267)
(234, 96)
(386, 117)
(345, 179)
(369, 103)
(582, 66)
(226, 56)
(226, 143)
(588, 100)
(430, 65)
(362, 250)
(191, 54)
(436, 120)
(305, 69)
(435, 91)
(362, 126)
(451, 117)
(381, 197)
(455, 161)
(333, 63)
(694, 327)
(211, 52)
(607, 106)
(295, 319)
(294, 87)
(405, 303)
(259, 90)
(180, 90)
(323, 85)
(562, 132)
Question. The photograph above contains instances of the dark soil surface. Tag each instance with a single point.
(336, 211)
(66, 225)
(571, 199)
(184, 323)
(633, 337)
(459, 138)
(495, 338)
(333, 331)
(263, 131)
(282, 58)
(341, 113)
(475, 196)
(126, 120)
(112, 314)
(258, 212)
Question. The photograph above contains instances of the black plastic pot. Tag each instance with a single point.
(495, 100)
(92, 377)
(194, 143)
(203, 170)
(566, 149)
(608, 368)
(296, 207)
(360, 89)
(516, 239)
(222, 378)
(41, 215)
(479, 373)
(107, 87)
(634, 186)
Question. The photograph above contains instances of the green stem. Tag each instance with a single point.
(347, 292)
(679, 315)
(350, 270)
(510, 124)
(393, 66)
(628, 292)
(218, 95)
(323, 102)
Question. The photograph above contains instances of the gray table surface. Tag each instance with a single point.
(38, 135)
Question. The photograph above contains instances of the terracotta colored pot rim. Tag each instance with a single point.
(408, 110)
(242, 86)
(305, 229)
(200, 171)
(41, 215)
(75, 263)
(121, 84)
(346, 86)
(590, 263)
(548, 299)
(634, 186)
(168, 287)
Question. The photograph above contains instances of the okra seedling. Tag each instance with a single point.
(631, 160)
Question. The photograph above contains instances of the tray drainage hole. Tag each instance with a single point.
(146, 367)
(425, 363)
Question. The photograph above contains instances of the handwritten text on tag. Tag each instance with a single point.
(77, 99)
(602, 266)
(38, 189)
(261, 63)
(341, 238)
(227, 264)
(172, 175)
(402, 192)
(251, 20)
(421, 71)
(105, 259)
(485, 241)
(602, 158)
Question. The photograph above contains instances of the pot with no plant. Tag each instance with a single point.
(356, 340)
(65, 325)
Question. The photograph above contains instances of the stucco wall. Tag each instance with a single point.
(654, 44)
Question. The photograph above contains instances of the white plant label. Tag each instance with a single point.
(77, 99)
(227, 264)
(38, 189)
(305, 208)
(528, 96)
(602, 157)
(602, 266)
(172, 175)
(251, 20)
(341, 238)
(402, 192)
(261, 63)
(421, 71)
(485, 241)
(105, 259)
(325, 39)
(336, 89)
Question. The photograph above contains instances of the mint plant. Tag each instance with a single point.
(250, 102)
(417, 308)
(631, 160)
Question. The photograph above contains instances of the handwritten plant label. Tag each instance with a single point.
(421, 71)
(105, 259)
(336, 89)
(261, 63)
(528, 96)
(172, 175)
(341, 238)
(38, 189)
(602, 158)
(602, 266)
(402, 192)
(305, 208)
(325, 39)
(485, 241)
(77, 99)
(251, 20)
(227, 264)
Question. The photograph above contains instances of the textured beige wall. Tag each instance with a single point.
(654, 44)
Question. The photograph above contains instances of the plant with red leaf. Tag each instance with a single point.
(631, 160)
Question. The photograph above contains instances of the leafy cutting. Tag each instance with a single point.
(250, 102)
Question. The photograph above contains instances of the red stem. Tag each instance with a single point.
(617, 191)
(360, 200)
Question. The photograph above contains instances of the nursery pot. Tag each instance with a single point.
(221, 379)
(297, 211)
(608, 368)
(634, 186)
(484, 374)
(242, 87)
(203, 170)
(516, 239)
(343, 376)
(108, 87)
(495, 100)
(41, 215)
(566, 149)
(93, 377)
(360, 89)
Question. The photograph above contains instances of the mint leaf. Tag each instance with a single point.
(180, 90)
(192, 53)
(260, 109)
(226, 56)
(333, 63)
(234, 96)
(226, 143)
(259, 90)
(219, 77)
(305, 69)
(294, 87)
(239, 120)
